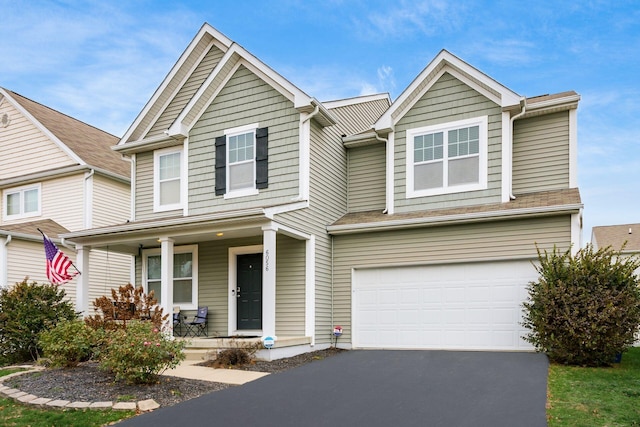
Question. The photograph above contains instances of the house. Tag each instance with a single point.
(622, 237)
(410, 224)
(57, 174)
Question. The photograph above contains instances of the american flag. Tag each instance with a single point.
(57, 263)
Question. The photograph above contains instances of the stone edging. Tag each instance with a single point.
(21, 396)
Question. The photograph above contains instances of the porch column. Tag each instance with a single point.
(310, 289)
(166, 281)
(82, 280)
(269, 281)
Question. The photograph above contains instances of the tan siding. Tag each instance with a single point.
(541, 153)
(111, 203)
(244, 100)
(366, 180)
(490, 241)
(63, 201)
(25, 149)
(25, 259)
(187, 91)
(449, 100)
(290, 288)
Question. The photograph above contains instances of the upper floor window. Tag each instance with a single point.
(241, 161)
(168, 179)
(447, 158)
(21, 202)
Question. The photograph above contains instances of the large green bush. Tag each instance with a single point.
(26, 309)
(69, 343)
(139, 352)
(583, 309)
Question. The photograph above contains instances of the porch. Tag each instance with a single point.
(203, 348)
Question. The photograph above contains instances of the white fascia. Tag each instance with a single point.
(573, 148)
(507, 157)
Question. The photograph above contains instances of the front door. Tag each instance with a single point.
(249, 291)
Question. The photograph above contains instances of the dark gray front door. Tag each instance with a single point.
(249, 288)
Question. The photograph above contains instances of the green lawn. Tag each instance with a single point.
(595, 396)
(15, 414)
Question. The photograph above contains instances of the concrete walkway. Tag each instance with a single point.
(188, 369)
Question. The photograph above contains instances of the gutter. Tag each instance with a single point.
(452, 219)
(26, 179)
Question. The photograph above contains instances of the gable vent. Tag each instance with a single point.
(4, 120)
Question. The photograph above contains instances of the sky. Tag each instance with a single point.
(100, 62)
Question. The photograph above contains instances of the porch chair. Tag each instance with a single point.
(198, 326)
(178, 324)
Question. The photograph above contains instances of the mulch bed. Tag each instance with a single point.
(88, 383)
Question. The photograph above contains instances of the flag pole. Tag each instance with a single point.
(44, 236)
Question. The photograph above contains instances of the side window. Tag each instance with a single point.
(447, 158)
(185, 275)
(167, 179)
(21, 202)
(241, 161)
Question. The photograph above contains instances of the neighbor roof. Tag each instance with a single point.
(616, 236)
(29, 230)
(90, 144)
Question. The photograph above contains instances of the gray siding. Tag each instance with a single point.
(487, 241)
(449, 100)
(290, 287)
(366, 178)
(541, 153)
(144, 190)
(328, 202)
(244, 100)
(187, 91)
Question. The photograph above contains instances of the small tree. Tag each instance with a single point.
(584, 309)
(26, 309)
(126, 304)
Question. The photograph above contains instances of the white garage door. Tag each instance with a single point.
(473, 306)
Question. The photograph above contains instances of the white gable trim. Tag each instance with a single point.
(450, 63)
(198, 104)
(219, 39)
(68, 151)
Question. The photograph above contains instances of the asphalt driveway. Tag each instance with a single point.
(379, 388)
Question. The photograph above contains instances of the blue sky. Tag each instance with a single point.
(101, 61)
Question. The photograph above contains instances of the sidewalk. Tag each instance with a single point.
(188, 369)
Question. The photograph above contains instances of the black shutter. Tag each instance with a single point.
(262, 158)
(221, 165)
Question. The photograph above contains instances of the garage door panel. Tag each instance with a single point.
(472, 306)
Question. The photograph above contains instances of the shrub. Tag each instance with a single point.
(240, 353)
(139, 352)
(26, 309)
(127, 303)
(584, 309)
(68, 343)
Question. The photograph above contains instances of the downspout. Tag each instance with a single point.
(305, 157)
(386, 145)
(523, 106)
(4, 267)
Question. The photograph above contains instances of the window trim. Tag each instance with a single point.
(193, 249)
(21, 190)
(157, 207)
(240, 130)
(482, 122)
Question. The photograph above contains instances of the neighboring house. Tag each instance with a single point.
(58, 175)
(623, 237)
(411, 225)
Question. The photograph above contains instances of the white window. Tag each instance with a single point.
(185, 275)
(168, 179)
(241, 161)
(21, 202)
(447, 158)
